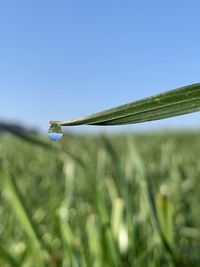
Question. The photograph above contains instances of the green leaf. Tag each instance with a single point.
(176, 102)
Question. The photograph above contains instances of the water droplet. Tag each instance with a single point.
(55, 132)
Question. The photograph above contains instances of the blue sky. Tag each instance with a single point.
(64, 59)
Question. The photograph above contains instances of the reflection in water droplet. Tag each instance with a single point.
(54, 136)
(55, 132)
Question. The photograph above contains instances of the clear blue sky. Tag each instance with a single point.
(64, 59)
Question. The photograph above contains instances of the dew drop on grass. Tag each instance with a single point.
(55, 132)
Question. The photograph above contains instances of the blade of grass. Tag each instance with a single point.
(94, 240)
(164, 205)
(176, 102)
(147, 189)
(24, 217)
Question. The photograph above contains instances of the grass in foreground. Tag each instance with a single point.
(129, 200)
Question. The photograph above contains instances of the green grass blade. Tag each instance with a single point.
(24, 217)
(148, 196)
(176, 102)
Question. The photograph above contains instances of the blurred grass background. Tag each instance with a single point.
(100, 200)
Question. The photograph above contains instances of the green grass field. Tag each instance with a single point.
(101, 201)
